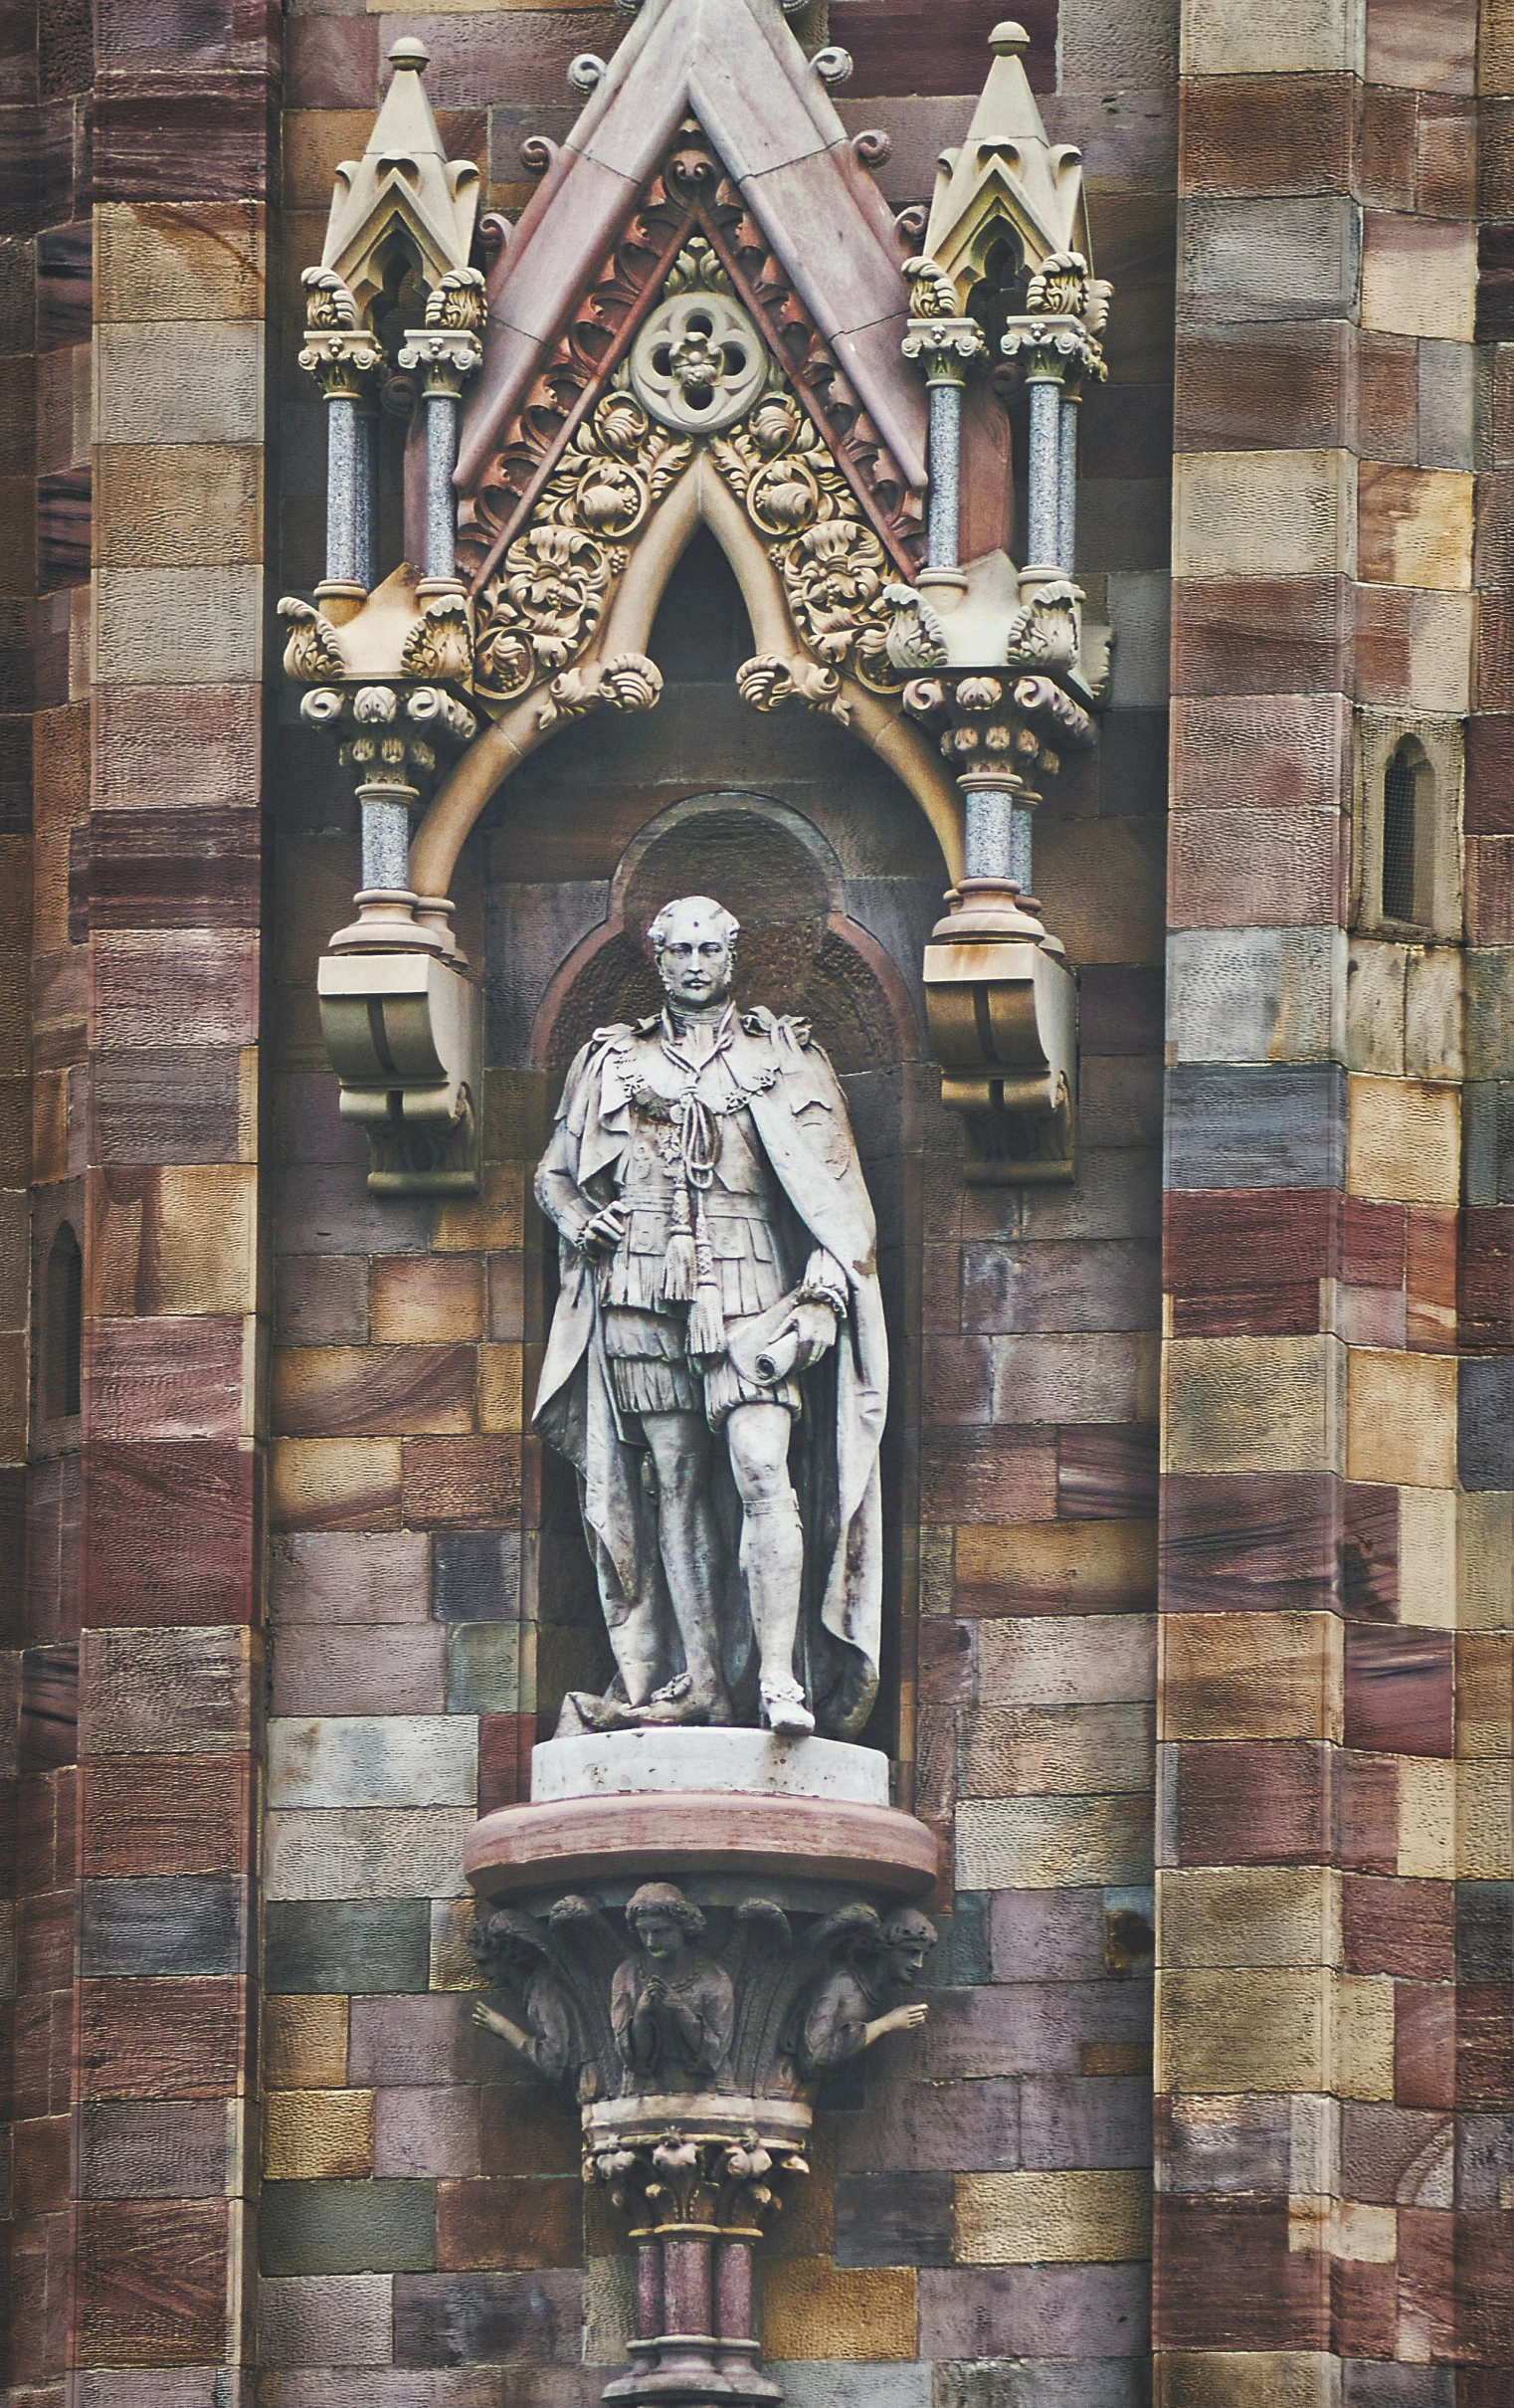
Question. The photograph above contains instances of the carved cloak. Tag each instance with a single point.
(800, 1119)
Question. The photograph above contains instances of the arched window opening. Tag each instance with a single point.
(63, 1328)
(1401, 813)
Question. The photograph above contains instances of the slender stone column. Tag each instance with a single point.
(945, 344)
(1067, 479)
(996, 838)
(446, 355)
(1043, 503)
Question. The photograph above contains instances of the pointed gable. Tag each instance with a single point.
(735, 67)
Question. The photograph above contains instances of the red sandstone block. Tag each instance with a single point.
(150, 988)
(1393, 2154)
(1106, 1474)
(1493, 686)
(145, 1815)
(1369, 1584)
(462, 1484)
(505, 1759)
(997, 1475)
(1248, 1541)
(170, 1532)
(162, 2039)
(1249, 1802)
(1248, 1261)
(957, 1380)
(1430, 1280)
(1490, 890)
(1387, 427)
(181, 137)
(177, 869)
(1364, 2307)
(1262, 635)
(1366, 1812)
(1482, 2286)
(1399, 1691)
(1489, 802)
(512, 2224)
(371, 1391)
(168, 1379)
(1255, 869)
(330, 63)
(1484, 2047)
(1398, 1927)
(947, 1662)
(1423, 2045)
(1265, 134)
(1387, 147)
(151, 2282)
(1427, 2280)
(1487, 1298)
(39, 2165)
(401, 2042)
(1227, 2278)
(44, 1942)
(1447, 162)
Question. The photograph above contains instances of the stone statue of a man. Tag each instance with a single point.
(718, 1338)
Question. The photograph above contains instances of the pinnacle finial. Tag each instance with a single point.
(1006, 41)
(411, 54)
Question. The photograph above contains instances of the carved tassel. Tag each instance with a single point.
(680, 1265)
(706, 1317)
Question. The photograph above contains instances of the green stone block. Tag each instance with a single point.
(483, 1668)
(353, 1945)
(347, 2228)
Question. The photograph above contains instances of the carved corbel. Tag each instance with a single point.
(404, 1032)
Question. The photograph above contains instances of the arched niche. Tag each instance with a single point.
(804, 952)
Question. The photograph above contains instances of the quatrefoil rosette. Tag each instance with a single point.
(699, 363)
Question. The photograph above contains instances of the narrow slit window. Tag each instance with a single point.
(1400, 797)
(64, 1326)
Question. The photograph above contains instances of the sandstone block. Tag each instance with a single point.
(1403, 1140)
(367, 1851)
(334, 1484)
(1265, 513)
(324, 2228)
(313, 2134)
(168, 1691)
(1256, 994)
(1060, 1567)
(1419, 276)
(325, 2321)
(194, 504)
(1043, 1843)
(1043, 1750)
(1401, 1418)
(359, 1669)
(810, 2307)
(1316, 36)
(329, 1392)
(178, 626)
(1253, 1404)
(346, 1944)
(1083, 1377)
(490, 1223)
(373, 1760)
(1363, 2038)
(434, 2132)
(1071, 1660)
(1414, 527)
(1026, 2219)
(1265, 1915)
(172, 384)
(305, 2043)
(1272, 1676)
(1279, 2043)
(180, 260)
(333, 1576)
(422, 1300)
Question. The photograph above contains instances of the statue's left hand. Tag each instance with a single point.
(604, 1232)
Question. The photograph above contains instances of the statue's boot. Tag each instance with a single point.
(685, 1701)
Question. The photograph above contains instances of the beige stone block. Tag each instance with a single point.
(1427, 1556)
(1264, 1914)
(1056, 1750)
(1364, 2031)
(1265, 2030)
(305, 2043)
(1375, 1007)
(1082, 1376)
(188, 505)
(501, 1387)
(1066, 1660)
(335, 1484)
(1401, 1418)
(813, 2310)
(194, 384)
(452, 1959)
(368, 1852)
(1418, 276)
(1250, 1676)
(1064, 2218)
(1229, 38)
(1440, 667)
(1485, 1561)
(178, 626)
(1484, 1821)
(1403, 1140)
(1484, 1693)
(1265, 513)
(1247, 2378)
(179, 260)
(1433, 1014)
(416, 1299)
(490, 1223)
(1054, 1843)
(1426, 1819)
(1416, 526)
(1059, 1563)
(207, 1238)
(316, 2135)
(1252, 1404)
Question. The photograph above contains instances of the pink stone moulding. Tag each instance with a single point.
(688, 1965)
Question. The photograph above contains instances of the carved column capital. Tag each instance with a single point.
(343, 361)
(446, 356)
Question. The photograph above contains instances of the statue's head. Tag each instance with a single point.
(694, 943)
(663, 1919)
(909, 1938)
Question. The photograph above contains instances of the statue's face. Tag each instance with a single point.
(907, 1958)
(697, 955)
(658, 1934)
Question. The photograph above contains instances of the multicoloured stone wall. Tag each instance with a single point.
(324, 1590)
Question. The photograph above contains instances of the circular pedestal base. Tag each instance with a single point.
(664, 1836)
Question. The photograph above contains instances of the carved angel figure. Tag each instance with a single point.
(850, 2009)
(672, 2009)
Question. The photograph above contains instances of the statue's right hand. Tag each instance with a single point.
(604, 1232)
